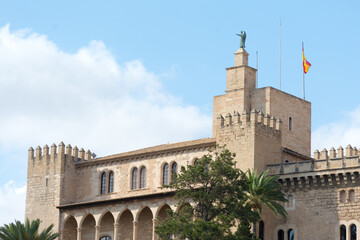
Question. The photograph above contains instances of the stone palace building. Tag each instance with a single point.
(119, 197)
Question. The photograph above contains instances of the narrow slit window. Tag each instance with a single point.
(342, 196)
(143, 177)
(280, 234)
(290, 124)
(134, 178)
(111, 182)
(103, 183)
(261, 230)
(352, 195)
(173, 170)
(166, 174)
(291, 234)
(342, 232)
(353, 233)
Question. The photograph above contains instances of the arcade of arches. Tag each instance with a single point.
(127, 224)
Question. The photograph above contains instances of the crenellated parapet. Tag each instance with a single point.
(324, 160)
(59, 151)
(333, 154)
(320, 179)
(249, 119)
(329, 168)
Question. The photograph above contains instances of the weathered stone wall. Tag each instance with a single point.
(43, 185)
(89, 173)
(255, 139)
(315, 214)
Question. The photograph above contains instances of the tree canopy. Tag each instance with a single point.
(218, 200)
(27, 231)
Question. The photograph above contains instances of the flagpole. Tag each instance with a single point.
(257, 69)
(303, 73)
(280, 57)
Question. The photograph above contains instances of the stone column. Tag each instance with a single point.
(116, 227)
(97, 232)
(154, 237)
(135, 230)
(78, 237)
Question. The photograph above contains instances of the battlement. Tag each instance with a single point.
(249, 119)
(324, 160)
(55, 151)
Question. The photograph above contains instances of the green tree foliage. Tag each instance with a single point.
(27, 231)
(224, 200)
(263, 190)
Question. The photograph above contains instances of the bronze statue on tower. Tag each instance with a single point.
(242, 38)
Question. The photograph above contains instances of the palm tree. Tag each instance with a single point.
(27, 231)
(263, 190)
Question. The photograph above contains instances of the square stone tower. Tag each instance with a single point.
(243, 105)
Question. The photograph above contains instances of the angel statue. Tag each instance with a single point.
(242, 38)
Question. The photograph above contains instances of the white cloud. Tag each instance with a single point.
(12, 203)
(85, 99)
(340, 133)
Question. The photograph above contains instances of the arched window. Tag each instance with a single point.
(342, 196)
(103, 184)
(261, 230)
(105, 238)
(290, 124)
(143, 177)
(342, 232)
(352, 195)
(134, 178)
(173, 170)
(291, 234)
(111, 182)
(353, 232)
(280, 234)
(166, 174)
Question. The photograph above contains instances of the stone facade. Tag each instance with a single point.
(121, 196)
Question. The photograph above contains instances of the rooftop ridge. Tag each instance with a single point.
(160, 148)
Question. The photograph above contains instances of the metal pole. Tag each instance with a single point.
(303, 72)
(280, 56)
(257, 69)
(304, 84)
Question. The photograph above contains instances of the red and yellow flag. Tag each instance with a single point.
(306, 64)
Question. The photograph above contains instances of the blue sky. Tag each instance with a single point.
(114, 76)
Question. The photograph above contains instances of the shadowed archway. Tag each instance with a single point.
(125, 231)
(70, 229)
(107, 225)
(145, 224)
(88, 228)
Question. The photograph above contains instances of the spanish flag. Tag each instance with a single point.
(306, 64)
